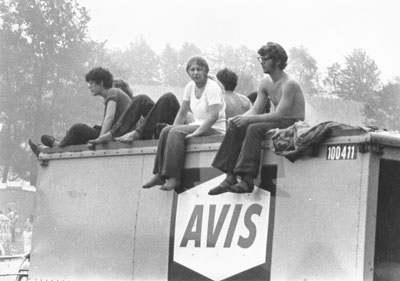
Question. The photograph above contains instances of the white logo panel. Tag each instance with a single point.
(223, 235)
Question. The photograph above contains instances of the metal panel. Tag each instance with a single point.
(86, 219)
(317, 219)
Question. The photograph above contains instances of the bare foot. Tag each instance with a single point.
(155, 180)
(102, 139)
(130, 137)
(171, 184)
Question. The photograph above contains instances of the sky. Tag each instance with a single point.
(329, 29)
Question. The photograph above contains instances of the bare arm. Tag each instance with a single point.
(210, 120)
(182, 113)
(109, 117)
(282, 110)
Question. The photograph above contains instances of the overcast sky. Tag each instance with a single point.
(329, 29)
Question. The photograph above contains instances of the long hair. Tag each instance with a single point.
(124, 86)
(200, 61)
(276, 52)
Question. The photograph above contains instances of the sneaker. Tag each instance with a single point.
(34, 147)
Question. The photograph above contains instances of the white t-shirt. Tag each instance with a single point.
(200, 107)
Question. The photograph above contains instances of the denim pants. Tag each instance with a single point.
(240, 150)
(170, 156)
(163, 111)
(80, 134)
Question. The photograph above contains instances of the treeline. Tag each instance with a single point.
(46, 51)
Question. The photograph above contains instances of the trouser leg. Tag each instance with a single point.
(79, 134)
(139, 106)
(170, 159)
(228, 152)
(164, 111)
(160, 150)
(249, 158)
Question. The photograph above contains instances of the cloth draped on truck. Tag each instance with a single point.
(302, 139)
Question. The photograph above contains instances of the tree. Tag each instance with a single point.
(384, 111)
(187, 51)
(359, 78)
(332, 81)
(304, 68)
(142, 62)
(241, 60)
(45, 52)
(169, 63)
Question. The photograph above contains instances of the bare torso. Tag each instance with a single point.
(285, 93)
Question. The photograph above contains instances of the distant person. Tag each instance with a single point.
(240, 151)
(253, 96)
(236, 104)
(27, 234)
(13, 216)
(139, 121)
(116, 101)
(204, 98)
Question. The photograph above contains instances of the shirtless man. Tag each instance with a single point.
(236, 104)
(240, 150)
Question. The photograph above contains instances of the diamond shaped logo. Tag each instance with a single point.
(221, 236)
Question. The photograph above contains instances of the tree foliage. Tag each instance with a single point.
(142, 63)
(304, 68)
(358, 79)
(45, 52)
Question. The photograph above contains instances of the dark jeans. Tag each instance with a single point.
(80, 134)
(139, 107)
(163, 111)
(240, 150)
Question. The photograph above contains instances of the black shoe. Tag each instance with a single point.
(48, 140)
(242, 187)
(34, 147)
(221, 188)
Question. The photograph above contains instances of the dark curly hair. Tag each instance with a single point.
(276, 52)
(200, 61)
(228, 78)
(100, 74)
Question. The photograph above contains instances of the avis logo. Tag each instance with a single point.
(227, 232)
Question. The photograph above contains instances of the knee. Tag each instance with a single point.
(77, 127)
(142, 99)
(165, 131)
(169, 97)
(251, 129)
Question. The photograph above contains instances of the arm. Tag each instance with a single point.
(210, 120)
(182, 113)
(282, 110)
(109, 117)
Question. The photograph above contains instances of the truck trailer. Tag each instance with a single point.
(330, 216)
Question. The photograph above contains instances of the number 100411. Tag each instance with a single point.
(341, 152)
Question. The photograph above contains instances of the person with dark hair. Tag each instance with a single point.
(204, 98)
(253, 96)
(236, 104)
(124, 86)
(116, 101)
(240, 151)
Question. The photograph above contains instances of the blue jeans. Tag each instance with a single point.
(170, 156)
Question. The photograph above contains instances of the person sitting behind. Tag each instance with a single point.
(236, 104)
(204, 98)
(142, 108)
